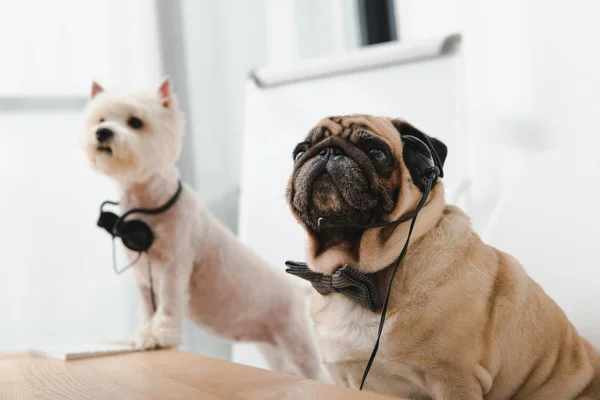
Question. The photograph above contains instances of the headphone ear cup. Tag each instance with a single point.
(107, 221)
(136, 235)
(418, 159)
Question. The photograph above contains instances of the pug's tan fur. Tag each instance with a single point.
(464, 320)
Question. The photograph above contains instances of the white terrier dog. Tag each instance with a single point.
(198, 267)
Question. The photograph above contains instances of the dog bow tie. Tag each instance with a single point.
(346, 280)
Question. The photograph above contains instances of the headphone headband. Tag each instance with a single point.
(153, 211)
(112, 203)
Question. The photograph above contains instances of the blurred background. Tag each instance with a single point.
(529, 83)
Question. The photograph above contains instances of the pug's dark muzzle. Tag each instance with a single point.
(336, 179)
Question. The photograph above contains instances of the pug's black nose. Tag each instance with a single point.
(332, 152)
(103, 134)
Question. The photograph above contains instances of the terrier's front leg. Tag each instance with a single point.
(166, 322)
(169, 283)
(144, 338)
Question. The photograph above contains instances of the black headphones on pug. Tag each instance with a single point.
(425, 166)
(135, 234)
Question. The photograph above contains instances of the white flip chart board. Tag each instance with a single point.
(420, 82)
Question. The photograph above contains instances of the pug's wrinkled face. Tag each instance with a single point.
(350, 176)
(350, 168)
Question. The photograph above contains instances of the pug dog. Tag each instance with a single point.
(464, 321)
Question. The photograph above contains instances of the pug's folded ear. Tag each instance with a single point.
(440, 149)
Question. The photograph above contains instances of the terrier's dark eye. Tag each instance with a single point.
(101, 120)
(378, 155)
(135, 123)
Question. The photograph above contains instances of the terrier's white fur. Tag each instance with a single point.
(199, 268)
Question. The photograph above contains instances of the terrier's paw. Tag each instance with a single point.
(159, 332)
(145, 339)
(166, 331)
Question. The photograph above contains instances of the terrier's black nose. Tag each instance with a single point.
(330, 152)
(103, 134)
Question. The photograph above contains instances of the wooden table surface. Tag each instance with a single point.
(160, 375)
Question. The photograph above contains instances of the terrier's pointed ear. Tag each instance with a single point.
(165, 92)
(96, 89)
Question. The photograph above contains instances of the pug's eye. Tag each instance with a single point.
(378, 155)
(135, 123)
(300, 150)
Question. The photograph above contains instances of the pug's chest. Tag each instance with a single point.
(344, 329)
(342, 342)
(346, 333)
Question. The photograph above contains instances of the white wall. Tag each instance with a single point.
(224, 40)
(58, 47)
(300, 29)
(56, 279)
(532, 82)
(419, 19)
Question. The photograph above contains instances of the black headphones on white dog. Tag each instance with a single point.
(135, 234)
